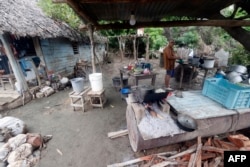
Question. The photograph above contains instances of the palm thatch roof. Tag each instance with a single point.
(24, 18)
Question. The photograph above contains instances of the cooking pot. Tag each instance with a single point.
(145, 89)
(234, 77)
(239, 68)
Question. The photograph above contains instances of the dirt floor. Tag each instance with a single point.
(82, 137)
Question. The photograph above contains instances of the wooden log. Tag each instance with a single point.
(218, 125)
(120, 133)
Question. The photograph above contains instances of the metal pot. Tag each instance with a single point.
(234, 77)
(239, 68)
(145, 89)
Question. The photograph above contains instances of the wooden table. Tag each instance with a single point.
(138, 77)
(9, 78)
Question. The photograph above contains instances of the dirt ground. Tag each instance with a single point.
(82, 137)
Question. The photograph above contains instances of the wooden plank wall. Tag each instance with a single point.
(59, 55)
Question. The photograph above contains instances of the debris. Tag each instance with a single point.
(208, 153)
(120, 133)
(59, 152)
(16, 125)
(112, 106)
(34, 139)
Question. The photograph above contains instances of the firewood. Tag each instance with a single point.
(120, 133)
(166, 163)
(216, 143)
(205, 164)
(190, 163)
(206, 156)
(216, 162)
(188, 151)
(228, 145)
(198, 153)
(145, 158)
(239, 140)
(208, 142)
(186, 157)
(245, 148)
(213, 149)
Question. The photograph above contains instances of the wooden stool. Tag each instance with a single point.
(97, 99)
(79, 99)
(9, 78)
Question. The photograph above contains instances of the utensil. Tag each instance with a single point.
(234, 77)
(239, 68)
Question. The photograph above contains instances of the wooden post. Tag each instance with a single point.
(120, 40)
(38, 49)
(15, 66)
(134, 47)
(36, 72)
(147, 48)
(92, 46)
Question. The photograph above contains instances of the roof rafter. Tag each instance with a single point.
(217, 23)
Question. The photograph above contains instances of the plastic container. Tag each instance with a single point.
(77, 84)
(96, 81)
(117, 82)
(230, 95)
(208, 63)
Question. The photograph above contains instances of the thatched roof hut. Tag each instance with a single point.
(24, 18)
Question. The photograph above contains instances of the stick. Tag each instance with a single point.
(188, 151)
(130, 162)
(198, 153)
(140, 159)
(120, 133)
(190, 163)
(213, 149)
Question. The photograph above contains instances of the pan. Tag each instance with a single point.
(185, 122)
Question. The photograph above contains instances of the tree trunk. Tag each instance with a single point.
(91, 31)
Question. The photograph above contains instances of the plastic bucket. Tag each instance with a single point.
(77, 84)
(96, 81)
(208, 63)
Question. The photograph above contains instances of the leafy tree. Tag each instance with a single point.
(157, 39)
(60, 12)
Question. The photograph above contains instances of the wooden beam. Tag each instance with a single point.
(183, 23)
(59, 1)
(120, 1)
(76, 7)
